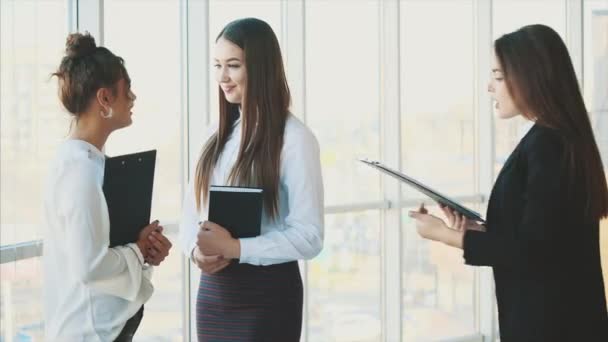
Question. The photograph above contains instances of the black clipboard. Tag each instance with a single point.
(127, 186)
(435, 195)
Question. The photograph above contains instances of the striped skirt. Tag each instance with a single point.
(250, 303)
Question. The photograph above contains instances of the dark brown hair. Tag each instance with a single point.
(265, 108)
(84, 69)
(541, 79)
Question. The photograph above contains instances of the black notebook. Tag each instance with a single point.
(435, 195)
(238, 209)
(127, 186)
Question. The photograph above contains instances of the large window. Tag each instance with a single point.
(342, 103)
(342, 95)
(344, 281)
(438, 147)
(337, 51)
(152, 58)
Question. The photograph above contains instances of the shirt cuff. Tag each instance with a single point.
(135, 248)
(248, 251)
(191, 248)
(472, 246)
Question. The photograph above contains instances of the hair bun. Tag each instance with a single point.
(78, 45)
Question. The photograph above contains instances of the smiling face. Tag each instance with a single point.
(503, 101)
(230, 70)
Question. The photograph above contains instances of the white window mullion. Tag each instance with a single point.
(196, 121)
(390, 110)
(484, 54)
(293, 46)
(72, 19)
(294, 52)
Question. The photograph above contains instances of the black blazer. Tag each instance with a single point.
(545, 254)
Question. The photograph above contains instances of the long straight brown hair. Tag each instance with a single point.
(265, 108)
(541, 79)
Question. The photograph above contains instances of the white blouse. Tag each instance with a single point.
(297, 232)
(90, 290)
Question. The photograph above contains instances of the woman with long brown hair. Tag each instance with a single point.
(541, 235)
(250, 288)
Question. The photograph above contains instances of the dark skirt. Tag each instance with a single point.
(128, 331)
(250, 303)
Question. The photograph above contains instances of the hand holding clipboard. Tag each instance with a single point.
(441, 199)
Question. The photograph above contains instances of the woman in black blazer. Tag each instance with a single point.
(542, 229)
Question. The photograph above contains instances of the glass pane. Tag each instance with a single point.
(344, 281)
(437, 101)
(438, 289)
(21, 315)
(595, 34)
(152, 57)
(438, 97)
(33, 123)
(223, 12)
(344, 113)
(508, 16)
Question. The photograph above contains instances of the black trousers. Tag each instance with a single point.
(127, 333)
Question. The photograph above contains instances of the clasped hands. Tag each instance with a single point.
(434, 228)
(215, 248)
(153, 245)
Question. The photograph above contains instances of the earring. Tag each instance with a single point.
(108, 115)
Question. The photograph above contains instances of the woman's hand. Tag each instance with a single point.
(459, 222)
(428, 226)
(159, 247)
(214, 239)
(209, 264)
(142, 239)
(433, 228)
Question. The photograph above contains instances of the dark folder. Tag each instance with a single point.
(435, 195)
(127, 186)
(238, 209)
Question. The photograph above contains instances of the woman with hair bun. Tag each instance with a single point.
(92, 292)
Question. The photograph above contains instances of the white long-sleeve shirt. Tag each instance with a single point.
(297, 232)
(90, 290)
